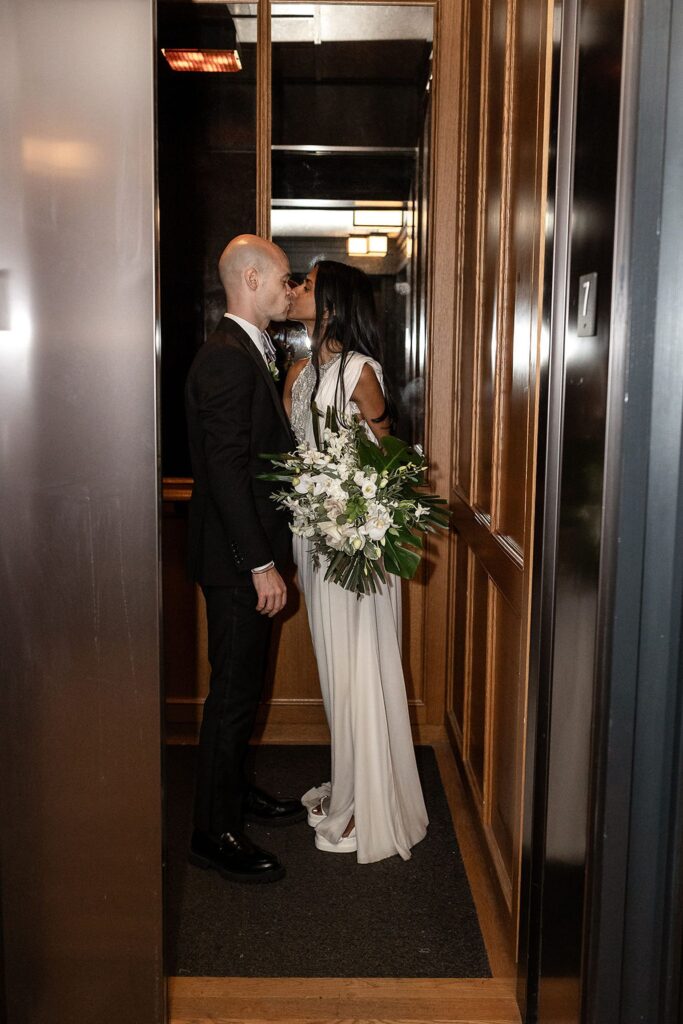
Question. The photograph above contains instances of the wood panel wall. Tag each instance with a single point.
(502, 170)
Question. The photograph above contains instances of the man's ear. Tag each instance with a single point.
(251, 277)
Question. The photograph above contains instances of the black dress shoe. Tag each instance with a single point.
(269, 810)
(235, 857)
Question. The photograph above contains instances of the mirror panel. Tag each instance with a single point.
(351, 119)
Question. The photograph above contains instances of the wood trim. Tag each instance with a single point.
(467, 681)
(318, 1000)
(461, 192)
(269, 731)
(543, 157)
(503, 325)
(481, 215)
(264, 108)
(440, 370)
(492, 550)
(489, 702)
(176, 488)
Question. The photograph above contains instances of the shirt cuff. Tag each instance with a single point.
(264, 568)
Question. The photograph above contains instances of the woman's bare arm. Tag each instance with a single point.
(369, 398)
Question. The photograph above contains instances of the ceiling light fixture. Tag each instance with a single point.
(198, 38)
(203, 60)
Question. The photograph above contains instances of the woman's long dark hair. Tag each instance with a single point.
(345, 314)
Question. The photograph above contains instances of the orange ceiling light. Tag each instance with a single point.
(203, 60)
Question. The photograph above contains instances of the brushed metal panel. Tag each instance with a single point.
(80, 710)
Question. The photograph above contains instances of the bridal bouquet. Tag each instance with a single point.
(361, 506)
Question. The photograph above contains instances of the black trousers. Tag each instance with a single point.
(238, 651)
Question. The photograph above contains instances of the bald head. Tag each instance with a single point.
(255, 274)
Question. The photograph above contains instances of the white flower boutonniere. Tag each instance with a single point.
(274, 372)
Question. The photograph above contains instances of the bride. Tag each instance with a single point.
(373, 805)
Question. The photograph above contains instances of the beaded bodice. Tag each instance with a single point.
(302, 393)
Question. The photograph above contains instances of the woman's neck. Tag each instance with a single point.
(328, 350)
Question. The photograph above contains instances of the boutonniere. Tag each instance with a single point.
(274, 372)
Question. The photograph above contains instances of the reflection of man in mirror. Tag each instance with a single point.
(238, 543)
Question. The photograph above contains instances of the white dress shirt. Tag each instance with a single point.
(254, 333)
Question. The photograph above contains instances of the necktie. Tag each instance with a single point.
(268, 348)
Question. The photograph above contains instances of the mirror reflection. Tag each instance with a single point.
(350, 167)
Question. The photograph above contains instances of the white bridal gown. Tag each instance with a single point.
(357, 645)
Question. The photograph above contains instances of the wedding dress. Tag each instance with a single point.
(357, 644)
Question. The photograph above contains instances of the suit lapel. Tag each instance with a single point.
(240, 335)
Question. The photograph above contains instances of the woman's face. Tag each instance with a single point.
(303, 298)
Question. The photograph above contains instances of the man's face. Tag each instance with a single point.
(274, 294)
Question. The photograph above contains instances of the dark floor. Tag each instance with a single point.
(330, 917)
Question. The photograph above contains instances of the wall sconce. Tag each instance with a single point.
(366, 245)
(357, 245)
(377, 245)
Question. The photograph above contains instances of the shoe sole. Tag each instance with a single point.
(325, 846)
(272, 875)
(291, 819)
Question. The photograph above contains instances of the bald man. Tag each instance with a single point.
(238, 543)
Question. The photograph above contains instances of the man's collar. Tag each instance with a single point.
(251, 329)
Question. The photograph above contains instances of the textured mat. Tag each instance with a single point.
(330, 917)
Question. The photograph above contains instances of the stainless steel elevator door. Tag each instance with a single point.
(79, 706)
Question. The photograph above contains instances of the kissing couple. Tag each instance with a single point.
(239, 544)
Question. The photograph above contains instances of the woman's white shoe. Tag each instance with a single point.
(346, 844)
(316, 816)
(316, 798)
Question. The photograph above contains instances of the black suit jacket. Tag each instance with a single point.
(233, 414)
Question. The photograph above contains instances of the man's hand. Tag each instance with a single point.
(271, 590)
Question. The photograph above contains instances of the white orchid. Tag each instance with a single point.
(321, 483)
(376, 526)
(303, 484)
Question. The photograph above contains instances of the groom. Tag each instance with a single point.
(238, 542)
